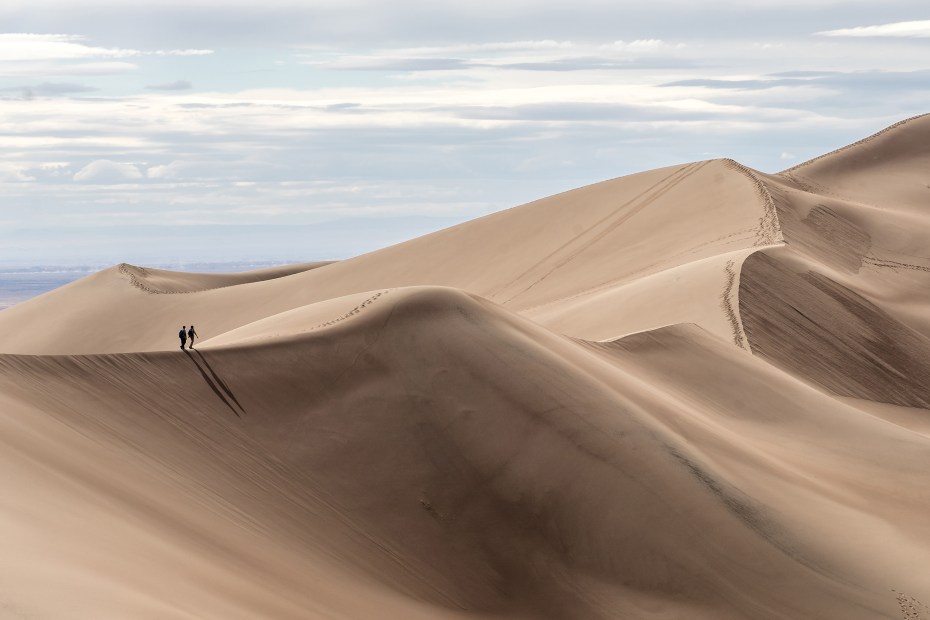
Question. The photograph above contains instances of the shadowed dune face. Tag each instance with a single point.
(507, 470)
(697, 392)
(843, 342)
(844, 304)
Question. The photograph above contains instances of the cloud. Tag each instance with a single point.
(188, 52)
(846, 81)
(176, 85)
(481, 112)
(757, 84)
(919, 29)
(65, 69)
(25, 55)
(471, 48)
(583, 112)
(107, 171)
(355, 24)
(55, 88)
(13, 174)
(639, 45)
(375, 63)
(595, 63)
(23, 46)
(48, 89)
(27, 47)
(169, 171)
(530, 55)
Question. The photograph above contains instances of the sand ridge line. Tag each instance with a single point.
(769, 231)
(136, 282)
(854, 144)
(726, 302)
(357, 309)
(126, 270)
(649, 196)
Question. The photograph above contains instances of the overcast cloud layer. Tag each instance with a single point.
(285, 113)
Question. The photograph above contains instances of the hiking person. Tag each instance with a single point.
(183, 335)
(190, 334)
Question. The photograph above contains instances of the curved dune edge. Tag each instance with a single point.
(842, 303)
(853, 145)
(179, 282)
(769, 231)
(827, 332)
(303, 320)
(407, 456)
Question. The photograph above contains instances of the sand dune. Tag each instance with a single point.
(537, 258)
(697, 392)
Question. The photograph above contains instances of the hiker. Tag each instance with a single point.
(190, 334)
(183, 335)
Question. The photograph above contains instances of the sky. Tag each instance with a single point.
(201, 129)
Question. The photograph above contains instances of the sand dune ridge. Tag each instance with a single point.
(166, 282)
(853, 145)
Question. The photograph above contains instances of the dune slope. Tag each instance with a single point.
(695, 392)
(844, 303)
(437, 452)
(553, 260)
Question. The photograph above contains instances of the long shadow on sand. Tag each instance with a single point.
(216, 384)
(219, 382)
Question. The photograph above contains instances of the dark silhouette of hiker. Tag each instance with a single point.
(183, 335)
(190, 334)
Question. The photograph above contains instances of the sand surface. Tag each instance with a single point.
(697, 392)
